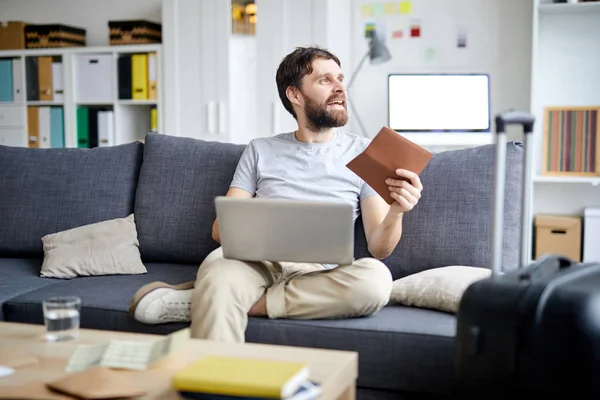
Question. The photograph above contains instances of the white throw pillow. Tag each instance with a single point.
(103, 248)
(437, 288)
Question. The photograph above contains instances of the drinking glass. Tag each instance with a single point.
(61, 317)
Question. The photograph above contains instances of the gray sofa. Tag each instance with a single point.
(169, 183)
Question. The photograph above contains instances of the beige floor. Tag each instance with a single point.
(336, 371)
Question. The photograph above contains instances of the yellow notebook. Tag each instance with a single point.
(234, 376)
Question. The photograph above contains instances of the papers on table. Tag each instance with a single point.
(125, 354)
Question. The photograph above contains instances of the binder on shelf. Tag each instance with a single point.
(153, 119)
(139, 76)
(93, 127)
(31, 77)
(57, 131)
(106, 132)
(45, 78)
(6, 80)
(124, 72)
(33, 127)
(44, 127)
(152, 90)
(57, 82)
(17, 75)
(83, 135)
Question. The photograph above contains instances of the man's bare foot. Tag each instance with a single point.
(259, 309)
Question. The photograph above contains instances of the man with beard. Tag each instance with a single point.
(307, 164)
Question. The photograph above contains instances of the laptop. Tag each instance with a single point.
(284, 230)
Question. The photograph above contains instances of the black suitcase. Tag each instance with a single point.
(531, 332)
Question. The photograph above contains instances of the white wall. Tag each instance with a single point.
(92, 15)
(498, 42)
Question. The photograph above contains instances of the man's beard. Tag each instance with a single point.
(320, 118)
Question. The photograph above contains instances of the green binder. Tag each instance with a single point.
(83, 129)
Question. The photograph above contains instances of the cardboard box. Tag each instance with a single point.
(558, 234)
(12, 35)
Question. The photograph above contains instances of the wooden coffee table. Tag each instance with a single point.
(336, 371)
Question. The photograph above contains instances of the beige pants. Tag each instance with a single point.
(226, 289)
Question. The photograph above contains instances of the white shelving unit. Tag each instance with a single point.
(565, 72)
(131, 118)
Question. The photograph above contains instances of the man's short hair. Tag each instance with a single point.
(294, 67)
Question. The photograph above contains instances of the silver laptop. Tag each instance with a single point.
(259, 229)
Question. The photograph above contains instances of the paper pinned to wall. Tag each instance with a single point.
(415, 29)
(389, 8)
(378, 9)
(367, 10)
(405, 7)
(429, 53)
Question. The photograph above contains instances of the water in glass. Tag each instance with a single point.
(61, 317)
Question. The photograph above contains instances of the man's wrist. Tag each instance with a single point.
(395, 215)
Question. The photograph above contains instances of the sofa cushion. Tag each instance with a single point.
(19, 276)
(174, 209)
(437, 288)
(51, 190)
(399, 348)
(104, 299)
(103, 248)
(451, 225)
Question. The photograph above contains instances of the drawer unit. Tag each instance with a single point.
(13, 137)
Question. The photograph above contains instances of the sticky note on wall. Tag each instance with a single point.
(389, 8)
(378, 9)
(415, 30)
(367, 10)
(405, 7)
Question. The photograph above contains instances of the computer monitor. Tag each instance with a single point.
(439, 102)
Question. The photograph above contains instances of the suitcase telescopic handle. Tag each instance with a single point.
(514, 117)
(526, 120)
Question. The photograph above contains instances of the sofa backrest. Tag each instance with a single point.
(171, 194)
(43, 191)
(174, 207)
(451, 225)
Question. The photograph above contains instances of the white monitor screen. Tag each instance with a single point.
(439, 102)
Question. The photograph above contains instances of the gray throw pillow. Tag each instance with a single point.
(103, 248)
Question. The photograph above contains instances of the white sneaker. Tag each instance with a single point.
(159, 302)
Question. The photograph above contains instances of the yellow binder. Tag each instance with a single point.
(232, 376)
(139, 76)
(153, 119)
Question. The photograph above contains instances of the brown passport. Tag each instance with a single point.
(386, 153)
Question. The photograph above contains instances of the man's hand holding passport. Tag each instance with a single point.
(390, 156)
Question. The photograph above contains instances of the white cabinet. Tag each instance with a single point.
(200, 70)
(565, 65)
(221, 86)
